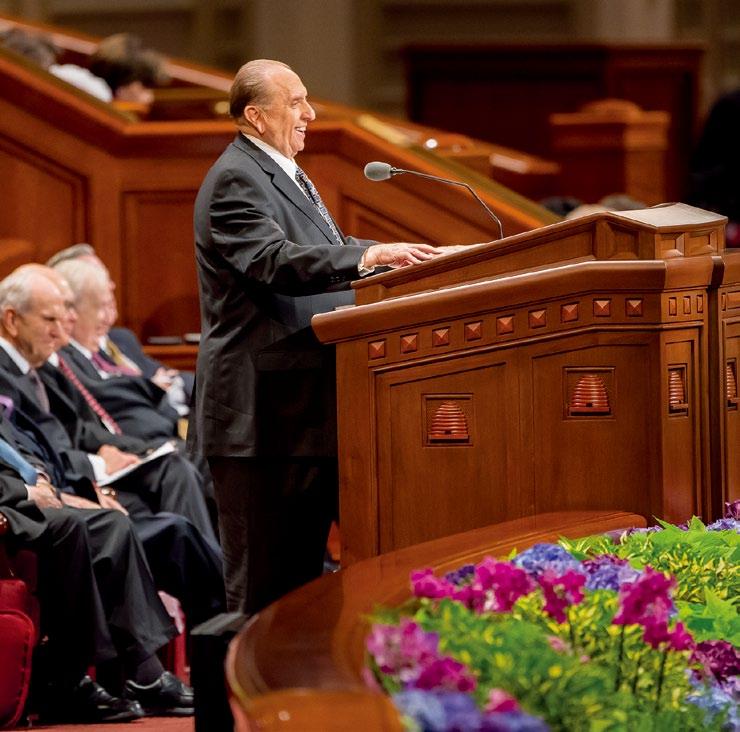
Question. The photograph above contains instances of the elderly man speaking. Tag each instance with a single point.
(269, 257)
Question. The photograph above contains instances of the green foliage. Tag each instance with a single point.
(697, 558)
(714, 618)
(570, 690)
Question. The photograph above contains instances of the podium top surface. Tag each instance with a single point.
(663, 232)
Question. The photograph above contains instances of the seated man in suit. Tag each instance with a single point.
(183, 555)
(140, 407)
(98, 601)
(121, 344)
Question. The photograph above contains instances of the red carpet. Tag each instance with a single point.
(148, 724)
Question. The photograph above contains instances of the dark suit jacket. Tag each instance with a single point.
(139, 406)
(130, 346)
(84, 427)
(15, 386)
(267, 262)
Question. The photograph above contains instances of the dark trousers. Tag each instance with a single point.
(174, 485)
(98, 600)
(185, 563)
(274, 518)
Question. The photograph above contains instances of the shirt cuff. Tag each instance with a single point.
(362, 270)
(98, 466)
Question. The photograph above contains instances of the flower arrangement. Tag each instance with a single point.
(637, 633)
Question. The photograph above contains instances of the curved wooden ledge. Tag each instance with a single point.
(307, 649)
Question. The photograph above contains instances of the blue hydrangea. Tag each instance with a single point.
(451, 711)
(513, 722)
(542, 557)
(725, 524)
(608, 573)
(716, 702)
(462, 575)
(423, 707)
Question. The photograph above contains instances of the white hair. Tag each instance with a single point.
(83, 277)
(16, 290)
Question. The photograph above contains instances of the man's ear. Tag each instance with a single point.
(253, 116)
(8, 319)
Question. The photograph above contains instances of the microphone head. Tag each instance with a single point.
(378, 171)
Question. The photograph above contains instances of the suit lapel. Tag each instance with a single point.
(287, 187)
(20, 382)
(79, 363)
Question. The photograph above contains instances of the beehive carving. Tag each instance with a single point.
(589, 397)
(449, 424)
(731, 384)
(677, 390)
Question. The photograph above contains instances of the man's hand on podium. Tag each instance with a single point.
(398, 254)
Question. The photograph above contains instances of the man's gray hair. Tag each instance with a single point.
(83, 277)
(74, 252)
(16, 290)
(249, 85)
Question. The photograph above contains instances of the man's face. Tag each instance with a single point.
(69, 317)
(283, 120)
(92, 316)
(37, 331)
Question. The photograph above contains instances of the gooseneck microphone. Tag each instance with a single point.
(383, 171)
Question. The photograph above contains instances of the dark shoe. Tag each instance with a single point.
(90, 703)
(166, 697)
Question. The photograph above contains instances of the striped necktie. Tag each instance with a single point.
(107, 367)
(92, 402)
(313, 195)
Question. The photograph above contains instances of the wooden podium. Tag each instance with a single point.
(591, 364)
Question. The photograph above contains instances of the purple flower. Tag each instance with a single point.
(717, 703)
(561, 591)
(445, 674)
(462, 575)
(502, 583)
(719, 658)
(446, 711)
(732, 510)
(402, 650)
(425, 584)
(540, 557)
(647, 600)
(424, 708)
(607, 572)
(725, 524)
(679, 639)
(512, 722)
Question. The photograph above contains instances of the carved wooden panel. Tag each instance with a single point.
(731, 414)
(158, 231)
(43, 201)
(438, 481)
(682, 449)
(603, 460)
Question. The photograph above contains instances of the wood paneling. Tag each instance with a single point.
(506, 332)
(464, 88)
(77, 169)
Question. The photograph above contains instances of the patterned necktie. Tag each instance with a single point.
(119, 357)
(106, 366)
(39, 388)
(10, 456)
(313, 195)
(92, 402)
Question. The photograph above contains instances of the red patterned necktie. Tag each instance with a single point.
(92, 402)
(110, 368)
